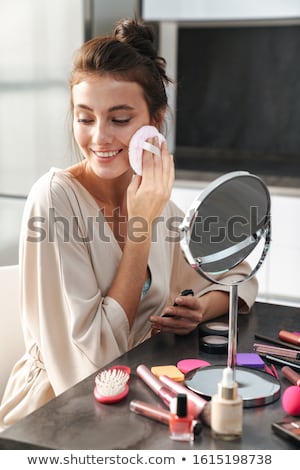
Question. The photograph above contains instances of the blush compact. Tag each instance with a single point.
(214, 328)
(213, 344)
(213, 337)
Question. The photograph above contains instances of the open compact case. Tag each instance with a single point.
(230, 222)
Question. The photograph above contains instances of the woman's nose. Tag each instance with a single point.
(102, 133)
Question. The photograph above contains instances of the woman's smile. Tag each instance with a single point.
(106, 155)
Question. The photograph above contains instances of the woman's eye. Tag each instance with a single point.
(121, 121)
(84, 120)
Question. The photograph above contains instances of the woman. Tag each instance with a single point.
(100, 262)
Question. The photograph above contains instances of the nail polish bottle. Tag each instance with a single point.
(181, 424)
(227, 409)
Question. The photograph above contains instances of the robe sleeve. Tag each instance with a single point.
(77, 328)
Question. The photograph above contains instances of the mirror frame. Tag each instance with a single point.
(189, 219)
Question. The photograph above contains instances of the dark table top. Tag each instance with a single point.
(74, 420)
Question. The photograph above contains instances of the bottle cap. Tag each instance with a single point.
(181, 405)
(228, 388)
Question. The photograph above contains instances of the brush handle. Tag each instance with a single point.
(155, 384)
(194, 401)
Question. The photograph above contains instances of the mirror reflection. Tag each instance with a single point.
(226, 223)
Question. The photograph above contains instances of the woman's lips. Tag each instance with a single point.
(108, 155)
(111, 153)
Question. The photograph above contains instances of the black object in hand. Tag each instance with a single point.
(184, 292)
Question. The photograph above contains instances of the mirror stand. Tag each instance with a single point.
(232, 333)
(245, 200)
(255, 386)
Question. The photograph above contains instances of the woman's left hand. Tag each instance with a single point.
(182, 318)
(189, 312)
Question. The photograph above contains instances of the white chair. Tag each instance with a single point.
(11, 338)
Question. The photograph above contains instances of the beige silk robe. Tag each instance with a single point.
(68, 260)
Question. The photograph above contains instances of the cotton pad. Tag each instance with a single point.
(138, 143)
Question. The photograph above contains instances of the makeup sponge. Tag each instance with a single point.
(290, 400)
(138, 143)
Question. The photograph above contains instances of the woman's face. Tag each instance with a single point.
(107, 113)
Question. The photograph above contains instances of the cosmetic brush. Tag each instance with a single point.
(165, 394)
(281, 361)
(198, 406)
(276, 342)
(111, 385)
(276, 351)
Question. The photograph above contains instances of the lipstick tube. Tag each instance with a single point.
(158, 414)
(150, 411)
(289, 337)
(155, 384)
(291, 375)
(198, 407)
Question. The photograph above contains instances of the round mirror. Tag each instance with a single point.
(225, 223)
(228, 223)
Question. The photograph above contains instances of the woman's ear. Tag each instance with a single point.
(159, 118)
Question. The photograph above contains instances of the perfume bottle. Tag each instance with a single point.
(227, 409)
(181, 424)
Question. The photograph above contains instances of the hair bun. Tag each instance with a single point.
(141, 37)
(137, 34)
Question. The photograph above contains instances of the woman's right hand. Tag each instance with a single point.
(148, 194)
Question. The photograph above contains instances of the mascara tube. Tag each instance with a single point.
(158, 414)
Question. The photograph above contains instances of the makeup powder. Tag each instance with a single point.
(214, 328)
(213, 344)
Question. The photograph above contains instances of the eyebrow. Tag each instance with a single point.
(119, 107)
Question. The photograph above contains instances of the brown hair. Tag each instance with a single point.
(128, 54)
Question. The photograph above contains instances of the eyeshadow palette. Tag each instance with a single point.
(288, 428)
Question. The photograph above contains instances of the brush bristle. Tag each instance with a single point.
(111, 382)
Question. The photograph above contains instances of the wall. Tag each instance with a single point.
(107, 12)
(37, 42)
(219, 10)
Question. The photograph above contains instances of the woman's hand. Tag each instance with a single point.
(148, 194)
(190, 312)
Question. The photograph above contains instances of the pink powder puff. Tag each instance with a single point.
(138, 143)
